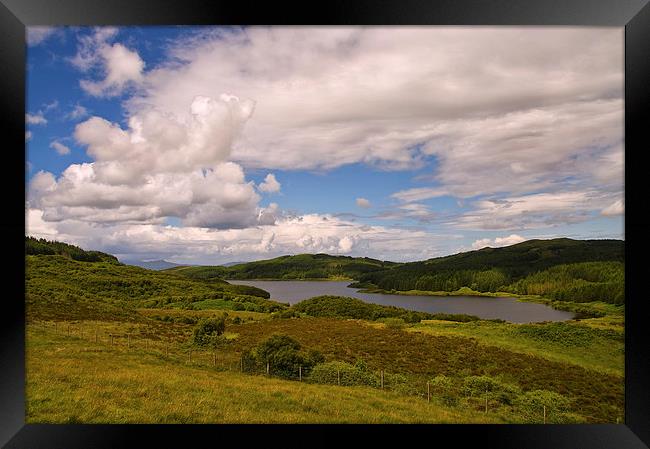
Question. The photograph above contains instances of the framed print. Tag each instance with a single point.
(323, 224)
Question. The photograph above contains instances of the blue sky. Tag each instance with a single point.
(208, 145)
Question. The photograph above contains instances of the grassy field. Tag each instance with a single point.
(109, 343)
(577, 344)
(74, 380)
(75, 362)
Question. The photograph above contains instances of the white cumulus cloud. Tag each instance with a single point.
(313, 233)
(35, 119)
(120, 66)
(498, 241)
(161, 166)
(60, 148)
(270, 184)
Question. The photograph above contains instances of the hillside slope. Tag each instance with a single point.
(493, 269)
(302, 266)
(35, 246)
(57, 286)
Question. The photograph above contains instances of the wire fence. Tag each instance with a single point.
(219, 360)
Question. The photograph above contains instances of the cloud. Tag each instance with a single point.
(522, 125)
(391, 99)
(28, 136)
(532, 211)
(38, 34)
(616, 208)
(35, 119)
(270, 184)
(78, 112)
(411, 211)
(498, 241)
(363, 203)
(120, 66)
(159, 167)
(419, 194)
(311, 233)
(60, 148)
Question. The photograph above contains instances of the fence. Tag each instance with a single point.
(215, 359)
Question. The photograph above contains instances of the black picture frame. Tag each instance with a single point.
(634, 15)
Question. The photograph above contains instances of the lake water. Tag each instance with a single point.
(508, 309)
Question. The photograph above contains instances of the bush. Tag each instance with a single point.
(444, 388)
(284, 357)
(393, 323)
(494, 389)
(289, 313)
(530, 407)
(208, 330)
(329, 373)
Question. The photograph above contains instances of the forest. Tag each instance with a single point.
(301, 266)
(560, 269)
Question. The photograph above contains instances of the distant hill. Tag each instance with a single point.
(494, 269)
(152, 264)
(302, 266)
(59, 285)
(35, 246)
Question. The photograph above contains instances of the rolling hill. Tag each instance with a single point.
(302, 266)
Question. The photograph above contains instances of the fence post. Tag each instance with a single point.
(95, 335)
(544, 414)
(382, 379)
(338, 376)
(486, 401)
(111, 339)
(214, 358)
(241, 363)
(428, 392)
(268, 368)
(68, 329)
(128, 341)
(300, 375)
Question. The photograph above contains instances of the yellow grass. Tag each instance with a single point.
(71, 379)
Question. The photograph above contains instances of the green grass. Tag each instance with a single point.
(71, 380)
(112, 343)
(409, 359)
(589, 345)
(298, 267)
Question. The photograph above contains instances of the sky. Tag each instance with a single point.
(208, 145)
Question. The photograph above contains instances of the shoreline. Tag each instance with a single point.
(294, 280)
(579, 309)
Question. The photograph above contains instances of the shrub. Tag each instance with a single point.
(444, 387)
(330, 372)
(393, 323)
(530, 407)
(284, 357)
(289, 313)
(208, 330)
(494, 389)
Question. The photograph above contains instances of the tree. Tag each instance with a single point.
(208, 330)
(284, 357)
